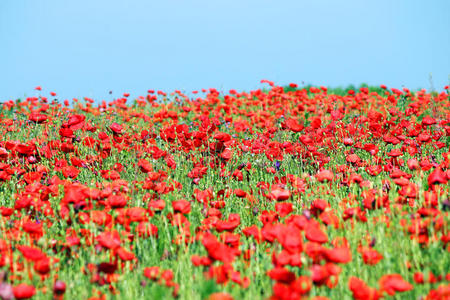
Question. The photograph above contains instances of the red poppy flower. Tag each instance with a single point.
(290, 238)
(33, 228)
(361, 291)
(145, 166)
(240, 193)
(283, 208)
(437, 177)
(75, 122)
(124, 254)
(181, 206)
(325, 175)
(31, 253)
(117, 201)
(338, 255)
(301, 285)
(217, 250)
(116, 128)
(279, 194)
(293, 125)
(314, 234)
(107, 268)
(24, 291)
(281, 275)
(427, 121)
(393, 283)
(42, 266)
(220, 296)
(229, 225)
(66, 133)
(110, 240)
(38, 118)
(70, 172)
(371, 256)
(200, 261)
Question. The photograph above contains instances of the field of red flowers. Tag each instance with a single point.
(277, 193)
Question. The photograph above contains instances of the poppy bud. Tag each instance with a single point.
(446, 205)
(59, 287)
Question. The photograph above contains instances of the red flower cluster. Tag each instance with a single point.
(281, 193)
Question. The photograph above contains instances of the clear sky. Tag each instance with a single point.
(89, 47)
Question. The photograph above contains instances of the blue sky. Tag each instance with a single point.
(87, 48)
